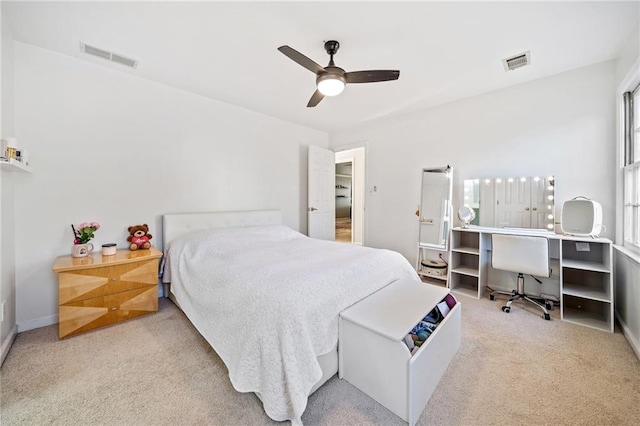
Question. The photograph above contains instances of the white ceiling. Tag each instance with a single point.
(228, 50)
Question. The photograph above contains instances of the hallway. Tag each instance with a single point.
(343, 229)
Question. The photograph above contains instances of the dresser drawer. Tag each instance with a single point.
(84, 315)
(101, 281)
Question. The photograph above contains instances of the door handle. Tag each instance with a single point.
(534, 209)
(312, 209)
(527, 209)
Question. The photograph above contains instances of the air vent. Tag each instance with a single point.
(110, 56)
(517, 61)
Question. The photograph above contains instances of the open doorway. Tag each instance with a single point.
(350, 196)
(344, 202)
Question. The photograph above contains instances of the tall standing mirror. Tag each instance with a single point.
(435, 207)
(516, 202)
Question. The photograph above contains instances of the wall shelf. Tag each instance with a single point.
(13, 165)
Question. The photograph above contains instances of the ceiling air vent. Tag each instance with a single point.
(517, 61)
(110, 56)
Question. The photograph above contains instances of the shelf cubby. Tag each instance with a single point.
(465, 242)
(586, 254)
(593, 285)
(587, 312)
(464, 284)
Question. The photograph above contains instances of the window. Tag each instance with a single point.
(631, 200)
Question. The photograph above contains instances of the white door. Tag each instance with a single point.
(540, 203)
(513, 203)
(321, 193)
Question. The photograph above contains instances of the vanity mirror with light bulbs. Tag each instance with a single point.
(512, 202)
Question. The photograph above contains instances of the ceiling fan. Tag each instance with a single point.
(330, 80)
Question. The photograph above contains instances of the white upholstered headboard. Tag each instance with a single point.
(175, 225)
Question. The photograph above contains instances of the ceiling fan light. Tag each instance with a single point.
(330, 84)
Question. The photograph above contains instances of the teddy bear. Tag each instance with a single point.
(139, 237)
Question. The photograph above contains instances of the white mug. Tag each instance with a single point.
(81, 250)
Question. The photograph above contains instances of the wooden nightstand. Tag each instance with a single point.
(98, 290)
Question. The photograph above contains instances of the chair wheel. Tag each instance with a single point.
(492, 297)
(506, 309)
(548, 305)
(547, 317)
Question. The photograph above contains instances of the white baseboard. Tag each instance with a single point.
(633, 341)
(6, 345)
(37, 323)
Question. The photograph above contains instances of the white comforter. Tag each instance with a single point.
(267, 299)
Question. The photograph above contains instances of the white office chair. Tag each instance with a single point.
(524, 255)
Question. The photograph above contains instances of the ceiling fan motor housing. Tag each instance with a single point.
(331, 47)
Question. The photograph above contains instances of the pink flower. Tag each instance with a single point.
(84, 232)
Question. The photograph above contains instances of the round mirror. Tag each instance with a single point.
(466, 215)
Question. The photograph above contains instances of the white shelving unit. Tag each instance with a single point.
(468, 266)
(12, 165)
(585, 278)
(587, 283)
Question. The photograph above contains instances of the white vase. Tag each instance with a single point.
(81, 250)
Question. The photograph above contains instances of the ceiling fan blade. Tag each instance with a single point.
(301, 59)
(371, 76)
(315, 99)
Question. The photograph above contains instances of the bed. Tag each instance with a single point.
(267, 298)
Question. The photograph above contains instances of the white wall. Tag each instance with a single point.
(627, 297)
(7, 254)
(563, 125)
(109, 147)
(628, 54)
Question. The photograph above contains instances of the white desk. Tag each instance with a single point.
(582, 277)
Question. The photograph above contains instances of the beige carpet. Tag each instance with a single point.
(514, 369)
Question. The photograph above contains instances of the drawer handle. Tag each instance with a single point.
(114, 279)
(114, 308)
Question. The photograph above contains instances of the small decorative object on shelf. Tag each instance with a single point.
(82, 235)
(109, 249)
(436, 268)
(13, 159)
(4, 144)
(139, 237)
